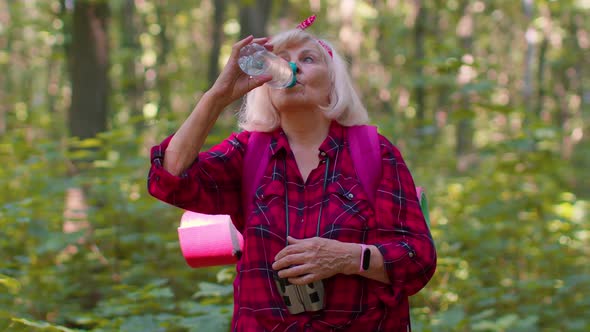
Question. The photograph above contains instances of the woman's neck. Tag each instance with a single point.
(305, 129)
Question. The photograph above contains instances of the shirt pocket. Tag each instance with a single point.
(269, 196)
(348, 212)
(266, 222)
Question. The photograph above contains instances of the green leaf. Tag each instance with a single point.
(213, 322)
(226, 275)
(141, 324)
(208, 289)
(40, 325)
(12, 284)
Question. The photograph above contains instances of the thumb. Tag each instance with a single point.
(292, 240)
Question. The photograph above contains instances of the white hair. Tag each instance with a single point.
(258, 114)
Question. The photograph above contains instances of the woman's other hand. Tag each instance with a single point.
(307, 260)
(233, 83)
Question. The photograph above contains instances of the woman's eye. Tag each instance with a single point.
(308, 59)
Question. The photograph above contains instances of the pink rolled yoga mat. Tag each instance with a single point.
(209, 240)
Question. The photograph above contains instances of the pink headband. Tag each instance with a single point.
(306, 24)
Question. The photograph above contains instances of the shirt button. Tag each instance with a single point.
(323, 154)
(350, 196)
(411, 254)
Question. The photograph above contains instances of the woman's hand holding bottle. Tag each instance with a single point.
(233, 83)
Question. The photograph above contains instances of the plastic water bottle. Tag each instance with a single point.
(256, 60)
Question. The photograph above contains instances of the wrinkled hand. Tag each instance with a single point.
(307, 260)
(233, 83)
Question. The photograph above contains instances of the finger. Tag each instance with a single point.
(261, 40)
(288, 250)
(289, 260)
(304, 279)
(238, 46)
(295, 271)
(292, 240)
(247, 40)
(256, 81)
(264, 42)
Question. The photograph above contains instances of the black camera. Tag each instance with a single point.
(300, 298)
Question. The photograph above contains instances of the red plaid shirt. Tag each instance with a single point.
(212, 185)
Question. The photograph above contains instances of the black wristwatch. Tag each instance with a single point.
(365, 257)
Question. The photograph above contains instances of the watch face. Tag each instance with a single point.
(366, 259)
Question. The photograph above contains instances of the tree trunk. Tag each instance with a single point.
(572, 78)
(88, 62)
(583, 48)
(441, 107)
(253, 17)
(465, 31)
(529, 57)
(5, 78)
(541, 92)
(218, 18)
(132, 85)
(419, 56)
(88, 66)
(163, 69)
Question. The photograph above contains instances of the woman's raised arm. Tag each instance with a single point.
(231, 84)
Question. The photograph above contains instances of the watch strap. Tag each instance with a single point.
(365, 258)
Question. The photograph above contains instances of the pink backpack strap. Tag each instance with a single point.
(256, 158)
(365, 151)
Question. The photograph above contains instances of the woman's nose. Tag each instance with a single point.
(295, 67)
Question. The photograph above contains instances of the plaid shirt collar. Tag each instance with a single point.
(331, 145)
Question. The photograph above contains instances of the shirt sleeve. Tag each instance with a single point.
(211, 184)
(403, 237)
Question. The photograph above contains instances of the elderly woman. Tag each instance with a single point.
(310, 224)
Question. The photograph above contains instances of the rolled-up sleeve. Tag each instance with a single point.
(211, 184)
(403, 237)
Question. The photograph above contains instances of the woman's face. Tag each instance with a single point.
(313, 80)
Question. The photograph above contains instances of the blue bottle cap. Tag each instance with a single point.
(294, 69)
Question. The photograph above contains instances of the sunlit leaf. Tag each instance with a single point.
(10, 283)
(40, 325)
(207, 289)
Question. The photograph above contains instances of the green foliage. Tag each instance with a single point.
(512, 241)
(128, 274)
(513, 244)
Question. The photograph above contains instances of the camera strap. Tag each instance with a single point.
(364, 149)
(325, 184)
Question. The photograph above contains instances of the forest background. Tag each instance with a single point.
(488, 101)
